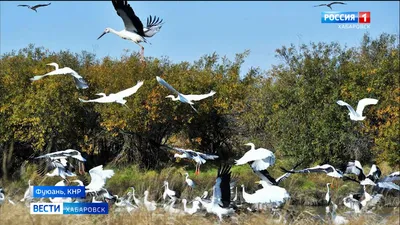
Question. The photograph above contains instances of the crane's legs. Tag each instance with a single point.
(141, 53)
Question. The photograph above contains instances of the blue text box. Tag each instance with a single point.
(58, 191)
(85, 208)
(339, 17)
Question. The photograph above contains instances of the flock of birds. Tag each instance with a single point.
(224, 200)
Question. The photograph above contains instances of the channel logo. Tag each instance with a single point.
(68, 208)
(346, 17)
(46, 208)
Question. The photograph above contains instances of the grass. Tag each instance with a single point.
(305, 189)
(17, 215)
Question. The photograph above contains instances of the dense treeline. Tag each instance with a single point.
(290, 109)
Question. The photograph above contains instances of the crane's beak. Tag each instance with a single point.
(257, 182)
(102, 35)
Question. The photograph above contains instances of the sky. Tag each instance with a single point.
(192, 28)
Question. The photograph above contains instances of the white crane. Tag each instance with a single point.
(134, 30)
(198, 157)
(193, 210)
(61, 156)
(59, 167)
(326, 168)
(189, 181)
(117, 97)
(80, 83)
(2, 196)
(136, 200)
(336, 219)
(387, 182)
(356, 168)
(356, 115)
(150, 206)
(125, 203)
(98, 178)
(182, 97)
(173, 195)
(60, 199)
(35, 6)
(269, 194)
(353, 201)
(170, 208)
(330, 4)
(28, 195)
(327, 197)
(260, 158)
(221, 198)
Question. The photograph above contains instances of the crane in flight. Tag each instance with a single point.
(116, 97)
(35, 6)
(134, 30)
(330, 4)
(182, 97)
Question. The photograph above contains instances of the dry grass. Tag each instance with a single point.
(19, 215)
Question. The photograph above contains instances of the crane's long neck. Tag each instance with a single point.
(253, 147)
(244, 191)
(173, 98)
(184, 206)
(114, 31)
(187, 176)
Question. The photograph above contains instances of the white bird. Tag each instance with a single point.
(98, 178)
(125, 203)
(352, 201)
(269, 194)
(28, 195)
(189, 181)
(198, 157)
(356, 168)
(134, 30)
(374, 173)
(336, 218)
(330, 4)
(367, 197)
(235, 197)
(63, 154)
(150, 206)
(204, 195)
(117, 97)
(357, 114)
(193, 210)
(221, 198)
(387, 182)
(80, 83)
(170, 208)
(260, 158)
(327, 198)
(58, 160)
(59, 167)
(60, 199)
(173, 195)
(35, 6)
(2, 196)
(326, 168)
(182, 97)
(136, 200)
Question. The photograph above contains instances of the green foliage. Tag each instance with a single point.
(290, 109)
